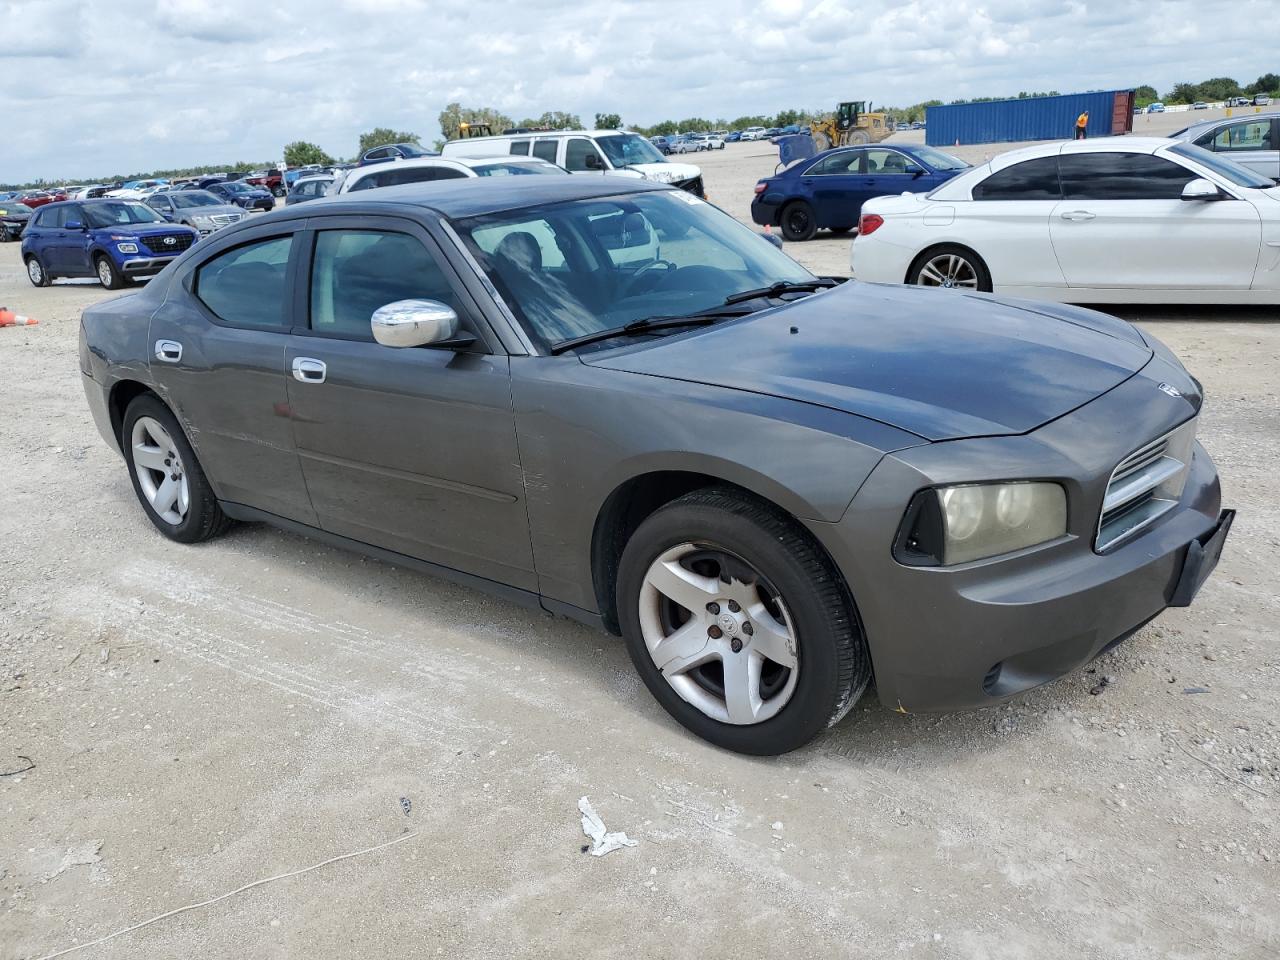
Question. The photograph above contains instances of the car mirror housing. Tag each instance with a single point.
(1201, 189)
(414, 323)
(74, 225)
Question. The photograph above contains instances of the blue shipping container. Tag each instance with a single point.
(1032, 118)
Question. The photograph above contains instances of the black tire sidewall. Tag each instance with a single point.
(117, 281)
(814, 700)
(45, 279)
(979, 266)
(203, 513)
(796, 236)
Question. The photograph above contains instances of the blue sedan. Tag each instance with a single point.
(828, 190)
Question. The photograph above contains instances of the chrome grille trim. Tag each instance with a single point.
(1145, 486)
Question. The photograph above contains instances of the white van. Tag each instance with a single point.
(616, 152)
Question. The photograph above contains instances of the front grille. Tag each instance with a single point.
(159, 245)
(224, 219)
(694, 186)
(1145, 486)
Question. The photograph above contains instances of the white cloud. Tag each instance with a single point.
(98, 91)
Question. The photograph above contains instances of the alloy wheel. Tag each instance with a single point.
(104, 272)
(948, 270)
(160, 472)
(35, 272)
(719, 633)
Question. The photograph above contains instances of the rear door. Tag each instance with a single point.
(409, 449)
(218, 359)
(1123, 223)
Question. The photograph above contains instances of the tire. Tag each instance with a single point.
(36, 272)
(797, 221)
(950, 266)
(821, 142)
(277, 192)
(107, 273)
(858, 137)
(203, 519)
(4, 236)
(783, 583)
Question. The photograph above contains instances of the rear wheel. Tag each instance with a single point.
(36, 272)
(798, 222)
(857, 137)
(737, 623)
(821, 141)
(167, 476)
(108, 275)
(950, 267)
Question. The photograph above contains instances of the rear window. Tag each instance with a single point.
(398, 175)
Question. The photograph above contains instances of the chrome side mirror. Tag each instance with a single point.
(413, 323)
(1201, 189)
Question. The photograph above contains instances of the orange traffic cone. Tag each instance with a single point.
(10, 319)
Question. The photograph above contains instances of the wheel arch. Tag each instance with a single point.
(636, 498)
(123, 393)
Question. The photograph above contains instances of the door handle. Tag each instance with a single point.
(307, 370)
(1077, 215)
(170, 351)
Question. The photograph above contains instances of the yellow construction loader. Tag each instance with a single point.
(851, 125)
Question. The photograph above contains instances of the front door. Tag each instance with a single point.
(409, 449)
(218, 360)
(1123, 223)
(836, 188)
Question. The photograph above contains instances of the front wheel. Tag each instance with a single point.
(167, 476)
(36, 272)
(108, 275)
(798, 221)
(950, 267)
(738, 624)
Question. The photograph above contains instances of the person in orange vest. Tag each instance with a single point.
(1082, 124)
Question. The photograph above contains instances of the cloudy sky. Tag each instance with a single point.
(92, 88)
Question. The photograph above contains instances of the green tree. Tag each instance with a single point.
(300, 153)
(1267, 83)
(1145, 94)
(380, 135)
(454, 115)
(553, 120)
(608, 121)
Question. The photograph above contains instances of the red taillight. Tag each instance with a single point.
(760, 187)
(869, 224)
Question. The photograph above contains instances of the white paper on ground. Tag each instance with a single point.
(602, 842)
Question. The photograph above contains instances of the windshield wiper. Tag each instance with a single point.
(783, 286)
(646, 325)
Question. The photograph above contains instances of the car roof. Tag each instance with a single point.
(1201, 126)
(1099, 145)
(476, 196)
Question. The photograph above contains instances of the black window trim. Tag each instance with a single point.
(818, 161)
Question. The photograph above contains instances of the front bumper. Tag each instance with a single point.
(12, 228)
(978, 633)
(145, 266)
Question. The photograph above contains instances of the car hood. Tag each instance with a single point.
(210, 210)
(939, 364)
(669, 172)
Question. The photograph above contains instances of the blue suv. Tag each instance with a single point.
(113, 240)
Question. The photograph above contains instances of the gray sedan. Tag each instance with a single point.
(1251, 140)
(609, 400)
(196, 208)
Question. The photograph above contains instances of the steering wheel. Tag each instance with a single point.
(667, 266)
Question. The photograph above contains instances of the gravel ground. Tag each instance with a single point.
(200, 718)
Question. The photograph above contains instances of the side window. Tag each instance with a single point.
(246, 286)
(1029, 180)
(1252, 135)
(1121, 176)
(519, 148)
(836, 164)
(581, 154)
(886, 163)
(55, 216)
(355, 272)
(546, 149)
(379, 154)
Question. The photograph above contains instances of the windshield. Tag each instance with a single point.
(195, 198)
(571, 269)
(513, 169)
(1227, 169)
(939, 160)
(116, 214)
(623, 149)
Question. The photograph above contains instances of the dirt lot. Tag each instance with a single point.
(200, 718)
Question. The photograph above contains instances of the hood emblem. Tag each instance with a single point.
(1171, 391)
(170, 241)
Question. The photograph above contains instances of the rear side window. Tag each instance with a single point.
(54, 215)
(546, 149)
(246, 286)
(520, 148)
(1251, 135)
(357, 271)
(398, 175)
(1029, 180)
(835, 165)
(1121, 176)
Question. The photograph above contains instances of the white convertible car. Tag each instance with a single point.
(1120, 220)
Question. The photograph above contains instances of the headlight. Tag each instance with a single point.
(950, 525)
(127, 247)
(202, 221)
